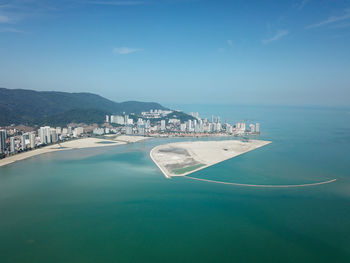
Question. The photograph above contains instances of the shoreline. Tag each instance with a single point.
(81, 143)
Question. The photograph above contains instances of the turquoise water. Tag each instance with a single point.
(112, 204)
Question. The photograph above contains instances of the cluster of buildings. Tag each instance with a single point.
(152, 123)
(13, 141)
(156, 122)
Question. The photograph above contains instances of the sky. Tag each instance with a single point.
(290, 52)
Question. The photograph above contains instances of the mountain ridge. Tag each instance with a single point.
(31, 107)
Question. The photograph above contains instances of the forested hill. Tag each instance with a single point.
(19, 106)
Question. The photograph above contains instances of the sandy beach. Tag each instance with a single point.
(126, 138)
(69, 145)
(183, 158)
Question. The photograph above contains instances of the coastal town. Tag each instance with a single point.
(153, 123)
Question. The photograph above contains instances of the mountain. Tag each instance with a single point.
(29, 107)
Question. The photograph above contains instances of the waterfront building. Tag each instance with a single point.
(257, 127)
(23, 142)
(107, 118)
(58, 130)
(189, 125)
(12, 145)
(130, 121)
(45, 134)
(162, 125)
(98, 131)
(252, 128)
(54, 137)
(78, 131)
(32, 140)
(141, 130)
(201, 127)
(117, 119)
(229, 128)
(3, 136)
(241, 126)
(129, 129)
(183, 127)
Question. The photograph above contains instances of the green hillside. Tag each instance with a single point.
(18, 106)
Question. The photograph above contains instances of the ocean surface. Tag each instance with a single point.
(112, 204)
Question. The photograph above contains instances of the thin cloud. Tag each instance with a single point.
(331, 20)
(10, 30)
(115, 3)
(125, 50)
(341, 25)
(302, 4)
(230, 42)
(280, 34)
(4, 19)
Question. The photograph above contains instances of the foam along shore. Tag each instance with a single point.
(69, 145)
(183, 158)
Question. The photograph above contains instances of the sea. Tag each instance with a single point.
(113, 204)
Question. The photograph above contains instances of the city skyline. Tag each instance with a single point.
(251, 52)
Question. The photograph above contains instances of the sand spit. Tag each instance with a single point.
(183, 158)
(74, 144)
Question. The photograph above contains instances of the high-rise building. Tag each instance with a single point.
(218, 127)
(141, 130)
(201, 127)
(183, 127)
(228, 128)
(257, 127)
(78, 131)
(107, 118)
(45, 134)
(3, 136)
(54, 137)
(148, 124)
(189, 125)
(118, 119)
(128, 129)
(252, 128)
(12, 145)
(162, 125)
(58, 130)
(23, 142)
(126, 117)
(32, 139)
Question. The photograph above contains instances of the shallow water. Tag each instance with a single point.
(112, 204)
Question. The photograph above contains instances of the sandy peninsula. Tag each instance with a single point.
(183, 158)
(69, 145)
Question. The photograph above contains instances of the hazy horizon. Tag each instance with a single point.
(180, 51)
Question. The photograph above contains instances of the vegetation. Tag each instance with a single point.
(28, 107)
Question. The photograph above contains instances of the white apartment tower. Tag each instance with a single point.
(162, 125)
(3, 135)
(257, 127)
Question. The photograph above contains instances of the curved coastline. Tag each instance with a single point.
(71, 145)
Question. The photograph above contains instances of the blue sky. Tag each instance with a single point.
(180, 51)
